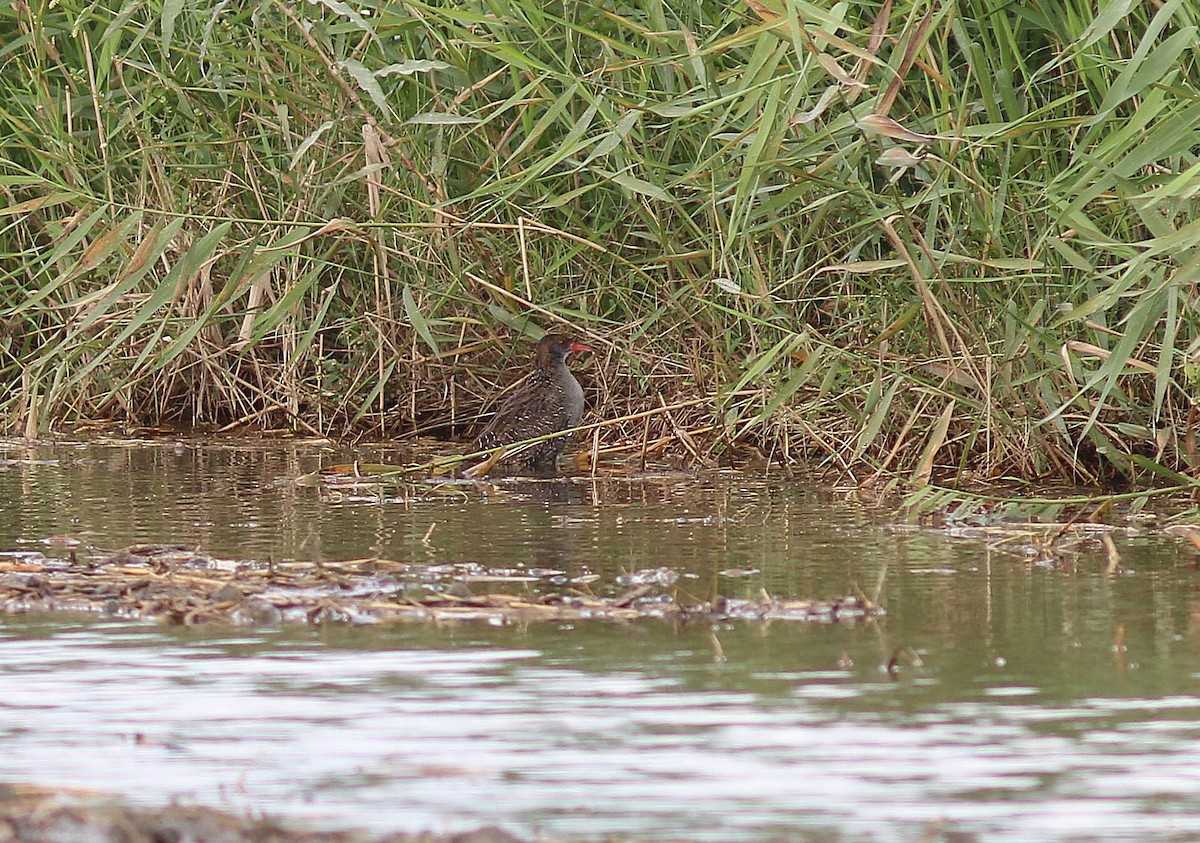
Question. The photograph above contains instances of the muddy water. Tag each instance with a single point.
(1047, 703)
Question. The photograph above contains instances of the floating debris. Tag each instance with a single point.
(1044, 543)
(176, 584)
(649, 576)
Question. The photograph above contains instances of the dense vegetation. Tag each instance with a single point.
(920, 239)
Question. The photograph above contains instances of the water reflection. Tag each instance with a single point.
(1046, 704)
(238, 500)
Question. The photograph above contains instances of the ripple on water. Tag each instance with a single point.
(450, 738)
(1017, 722)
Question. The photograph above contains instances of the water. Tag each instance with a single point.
(1031, 703)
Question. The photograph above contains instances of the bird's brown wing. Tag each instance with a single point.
(532, 410)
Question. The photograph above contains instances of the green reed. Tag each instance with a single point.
(910, 239)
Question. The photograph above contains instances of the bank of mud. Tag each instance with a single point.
(36, 814)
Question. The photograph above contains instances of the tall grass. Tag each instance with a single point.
(911, 239)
